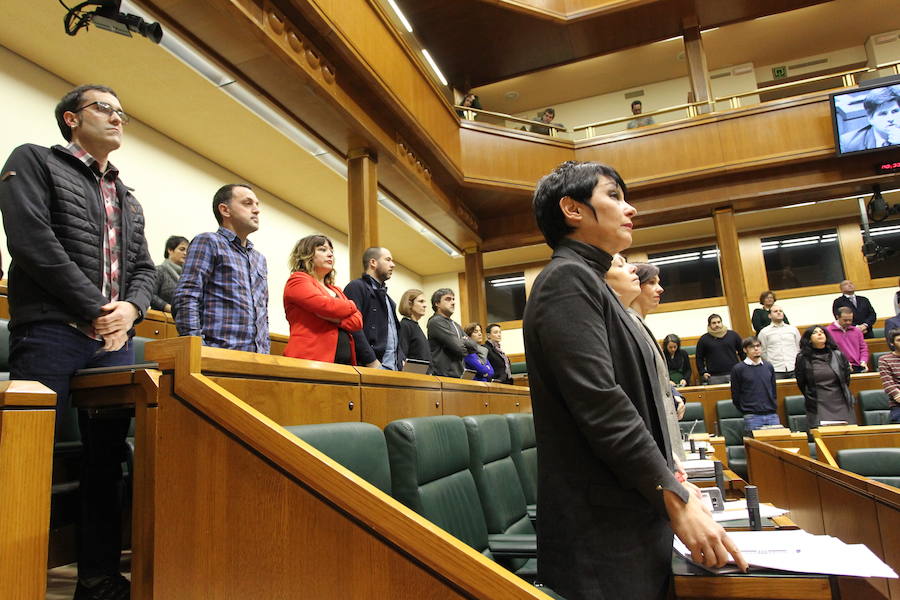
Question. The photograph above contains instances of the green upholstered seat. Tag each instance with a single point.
(876, 357)
(874, 405)
(497, 480)
(795, 409)
(137, 342)
(731, 427)
(523, 449)
(878, 332)
(737, 460)
(357, 446)
(691, 350)
(693, 413)
(880, 464)
(4, 350)
(518, 368)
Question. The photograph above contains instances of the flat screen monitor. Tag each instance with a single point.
(867, 119)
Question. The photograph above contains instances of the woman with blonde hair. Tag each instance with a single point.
(321, 317)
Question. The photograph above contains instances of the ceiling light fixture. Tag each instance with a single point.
(400, 15)
(434, 66)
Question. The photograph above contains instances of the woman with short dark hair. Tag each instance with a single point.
(320, 316)
(496, 355)
(760, 317)
(477, 361)
(823, 376)
(169, 272)
(677, 361)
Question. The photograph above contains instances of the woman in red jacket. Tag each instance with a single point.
(320, 316)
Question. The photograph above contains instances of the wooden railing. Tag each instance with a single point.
(27, 415)
(497, 118)
(823, 499)
(831, 440)
(226, 499)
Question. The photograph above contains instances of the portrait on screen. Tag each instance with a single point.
(867, 120)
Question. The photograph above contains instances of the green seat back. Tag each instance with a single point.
(737, 460)
(691, 350)
(357, 446)
(876, 357)
(874, 405)
(429, 459)
(731, 423)
(137, 343)
(4, 347)
(795, 408)
(880, 464)
(523, 449)
(518, 368)
(878, 332)
(693, 412)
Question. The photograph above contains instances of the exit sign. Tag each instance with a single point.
(779, 72)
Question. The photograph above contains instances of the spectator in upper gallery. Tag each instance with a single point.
(223, 293)
(677, 361)
(413, 343)
(547, 117)
(753, 388)
(378, 342)
(717, 351)
(882, 107)
(478, 359)
(168, 272)
(760, 317)
(448, 342)
(470, 100)
(850, 340)
(889, 369)
(863, 314)
(823, 376)
(637, 108)
(320, 316)
(496, 355)
(780, 343)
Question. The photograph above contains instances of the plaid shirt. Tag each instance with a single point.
(223, 293)
(112, 252)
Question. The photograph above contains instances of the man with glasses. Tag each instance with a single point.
(81, 277)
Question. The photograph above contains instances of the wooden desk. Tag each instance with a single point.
(831, 440)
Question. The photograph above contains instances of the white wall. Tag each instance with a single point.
(174, 184)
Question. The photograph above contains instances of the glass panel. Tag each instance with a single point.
(689, 274)
(887, 236)
(803, 259)
(505, 295)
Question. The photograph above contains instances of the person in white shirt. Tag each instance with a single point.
(780, 344)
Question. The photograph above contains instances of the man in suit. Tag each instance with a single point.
(448, 342)
(609, 498)
(378, 342)
(883, 113)
(864, 315)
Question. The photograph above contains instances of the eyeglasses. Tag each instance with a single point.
(107, 109)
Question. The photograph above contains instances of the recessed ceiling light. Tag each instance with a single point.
(511, 95)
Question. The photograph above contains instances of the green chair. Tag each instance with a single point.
(498, 484)
(523, 449)
(359, 447)
(691, 350)
(4, 350)
(518, 368)
(876, 357)
(430, 474)
(731, 427)
(693, 418)
(795, 409)
(874, 406)
(880, 464)
(878, 332)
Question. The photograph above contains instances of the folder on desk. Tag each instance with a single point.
(801, 552)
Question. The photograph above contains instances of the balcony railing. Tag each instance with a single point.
(496, 118)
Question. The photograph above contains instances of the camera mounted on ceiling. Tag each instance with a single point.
(107, 16)
(877, 210)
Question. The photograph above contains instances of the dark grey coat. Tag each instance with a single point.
(603, 453)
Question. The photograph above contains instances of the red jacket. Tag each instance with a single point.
(312, 337)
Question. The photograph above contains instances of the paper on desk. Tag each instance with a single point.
(699, 468)
(697, 444)
(737, 509)
(801, 552)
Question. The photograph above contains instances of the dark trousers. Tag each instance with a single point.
(50, 353)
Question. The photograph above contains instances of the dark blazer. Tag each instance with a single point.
(371, 340)
(496, 358)
(862, 312)
(449, 346)
(861, 139)
(806, 381)
(413, 342)
(604, 456)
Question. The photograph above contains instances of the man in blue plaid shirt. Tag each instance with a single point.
(223, 293)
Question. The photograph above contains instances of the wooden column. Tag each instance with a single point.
(476, 306)
(362, 202)
(698, 72)
(27, 417)
(732, 270)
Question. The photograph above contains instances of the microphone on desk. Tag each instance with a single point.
(702, 452)
(720, 477)
(751, 493)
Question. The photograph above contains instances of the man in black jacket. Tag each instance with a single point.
(80, 278)
(864, 315)
(378, 342)
(448, 342)
(609, 500)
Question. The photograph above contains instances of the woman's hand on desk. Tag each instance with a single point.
(706, 539)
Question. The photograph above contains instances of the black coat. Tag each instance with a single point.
(806, 381)
(413, 343)
(603, 453)
(371, 340)
(862, 312)
(54, 219)
(496, 358)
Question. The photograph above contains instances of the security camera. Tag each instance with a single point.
(107, 16)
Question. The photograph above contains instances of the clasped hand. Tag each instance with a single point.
(115, 320)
